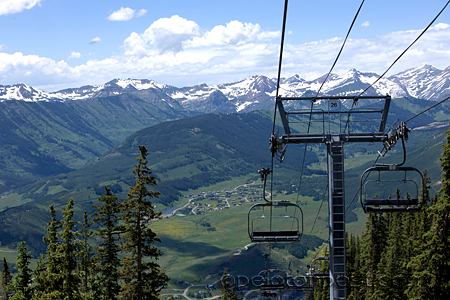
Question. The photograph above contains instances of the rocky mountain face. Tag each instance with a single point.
(254, 92)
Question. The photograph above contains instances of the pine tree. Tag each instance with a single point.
(107, 216)
(40, 278)
(6, 280)
(70, 247)
(432, 265)
(22, 283)
(357, 280)
(48, 279)
(89, 284)
(373, 241)
(322, 285)
(227, 291)
(142, 279)
(390, 275)
(417, 266)
(350, 260)
(59, 278)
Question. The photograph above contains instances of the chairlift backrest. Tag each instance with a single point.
(275, 221)
(378, 193)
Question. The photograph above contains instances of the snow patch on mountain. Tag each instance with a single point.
(257, 92)
(138, 84)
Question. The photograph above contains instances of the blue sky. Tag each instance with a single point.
(56, 44)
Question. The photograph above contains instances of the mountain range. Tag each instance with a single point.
(252, 93)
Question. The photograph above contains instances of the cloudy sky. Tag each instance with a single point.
(56, 44)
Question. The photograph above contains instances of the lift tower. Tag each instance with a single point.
(333, 121)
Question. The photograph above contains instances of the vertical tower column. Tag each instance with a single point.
(336, 207)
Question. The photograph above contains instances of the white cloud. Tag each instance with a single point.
(234, 33)
(125, 14)
(38, 70)
(176, 34)
(74, 55)
(177, 51)
(141, 12)
(95, 40)
(365, 24)
(374, 55)
(16, 6)
(164, 35)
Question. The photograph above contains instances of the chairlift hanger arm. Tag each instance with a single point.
(264, 173)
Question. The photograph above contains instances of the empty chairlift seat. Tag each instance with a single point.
(275, 221)
(390, 188)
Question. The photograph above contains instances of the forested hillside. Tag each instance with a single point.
(42, 139)
(402, 255)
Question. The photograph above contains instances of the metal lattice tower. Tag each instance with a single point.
(336, 208)
(331, 123)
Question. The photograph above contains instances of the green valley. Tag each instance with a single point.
(204, 164)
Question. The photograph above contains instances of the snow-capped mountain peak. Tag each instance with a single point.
(256, 92)
(138, 84)
(22, 91)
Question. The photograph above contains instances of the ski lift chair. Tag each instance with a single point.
(275, 221)
(399, 175)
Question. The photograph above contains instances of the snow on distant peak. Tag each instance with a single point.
(138, 84)
(425, 82)
(22, 91)
(242, 106)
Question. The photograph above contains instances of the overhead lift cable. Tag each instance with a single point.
(429, 25)
(272, 146)
(318, 91)
(309, 123)
(379, 78)
(278, 90)
(317, 216)
(280, 62)
(342, 47)
(427, 109)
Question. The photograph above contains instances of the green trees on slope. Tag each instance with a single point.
(401, 255)
(121, 266)
(431, 279)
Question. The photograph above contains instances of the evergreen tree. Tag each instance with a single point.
(227, 291)
(6, 280)
(59, 278)
(70, 247)
(390, 275)
(48, 279)
(107, 216)
(432, 265)
(357, 279)
(142, 279)
(350, 257)
(89, 285)
(40, 278)
(373, 241)
(22, 283)
(417, 266)
(322, 285)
